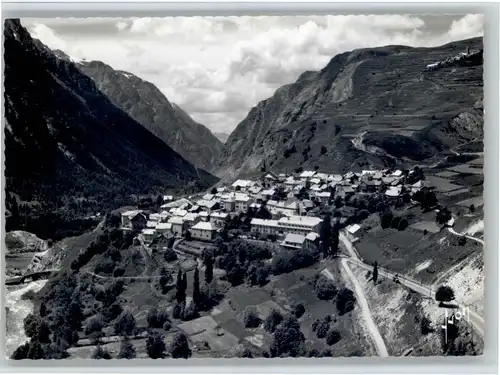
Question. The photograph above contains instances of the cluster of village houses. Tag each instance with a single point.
(291, 221)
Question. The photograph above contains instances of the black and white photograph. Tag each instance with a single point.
(244, 187)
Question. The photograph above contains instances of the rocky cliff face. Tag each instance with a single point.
(69, 151)
(18, 242)
(146, 104)
(368, 107)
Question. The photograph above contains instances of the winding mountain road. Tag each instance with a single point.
(475, 319)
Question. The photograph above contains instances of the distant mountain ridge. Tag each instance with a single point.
(146, 104)
(69, 151)
(367, 107)
(222, 136)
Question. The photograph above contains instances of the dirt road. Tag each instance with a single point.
(365, 308)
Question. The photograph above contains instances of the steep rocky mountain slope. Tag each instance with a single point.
(69, 151)
(378, 106)
(146, 104)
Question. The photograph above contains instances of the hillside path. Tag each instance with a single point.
(367, 315)
(452, 231)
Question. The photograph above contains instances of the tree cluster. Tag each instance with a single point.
(291, 260)
(288, 340)
(345, 301)
(245, 261)
(426, 198)
(325, 289)
(54, 326)
(443, 216)
(444, 294)
(158, 319)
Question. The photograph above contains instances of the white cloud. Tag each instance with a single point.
(217, 68)
(469, 26)
(48, 37)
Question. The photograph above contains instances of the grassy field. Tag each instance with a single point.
(467, 168)
(442, 185)
(225, 332)
(403, 251)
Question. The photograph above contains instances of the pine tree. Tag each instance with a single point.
(334, 242)
(181, 291)
(209, 271)
(184, 282)
(196, 287)
(325, 234)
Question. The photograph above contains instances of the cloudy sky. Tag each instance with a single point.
(218, 68)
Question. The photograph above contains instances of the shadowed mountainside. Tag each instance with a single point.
(69, 151)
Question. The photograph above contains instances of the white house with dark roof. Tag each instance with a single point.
(203, 231)
(134, 220)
